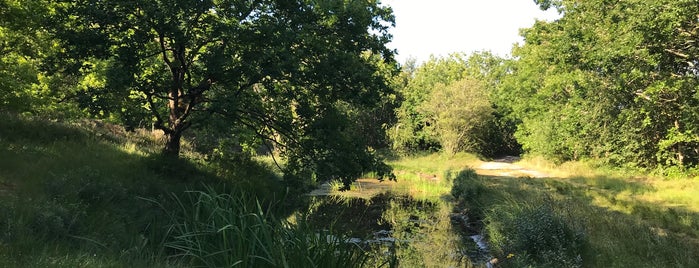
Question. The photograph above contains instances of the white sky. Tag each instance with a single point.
(441, 27)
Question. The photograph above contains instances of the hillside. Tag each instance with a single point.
(89, 194)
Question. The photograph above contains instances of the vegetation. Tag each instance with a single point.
(446, 105)
(188, 133)
(98, 200)
(618, 85)
(223, 230)
(583, 221)
(265, 73)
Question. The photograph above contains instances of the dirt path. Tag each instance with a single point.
(504, 167)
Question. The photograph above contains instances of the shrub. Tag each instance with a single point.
(54, 220)
(465, 187)
(533, 234)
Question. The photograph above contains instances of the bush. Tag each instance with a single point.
(533, 234)
(55, 221)
(465, 187)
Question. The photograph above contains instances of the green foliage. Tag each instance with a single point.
(245, 73)
(466, 188)
(411, 132)
(535, 235)
(332, 149)
(450, 104)
(617, 85)
(18, 59)
(460, 115)
(223, 230)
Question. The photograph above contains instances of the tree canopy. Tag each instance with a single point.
(290, 73)
(450, 104)
(614, 81)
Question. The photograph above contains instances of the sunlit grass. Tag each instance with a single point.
(435, 163)
(606, 217)
(429, 177)
(627, 220)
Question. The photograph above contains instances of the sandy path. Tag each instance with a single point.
(505, 167)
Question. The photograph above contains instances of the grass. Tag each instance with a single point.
(429, 177)
(585, 215)
(74, 194)
(416, 209)
(86, 194)
(224, 230)
(589, 217)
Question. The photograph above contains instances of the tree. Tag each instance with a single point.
(21, 46)
(274, 67)
(452, 104)
(614, 81)
(460, 114)
(412, 130)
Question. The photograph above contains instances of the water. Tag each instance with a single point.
(469, 228)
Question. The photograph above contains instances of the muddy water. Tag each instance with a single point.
(364, 188)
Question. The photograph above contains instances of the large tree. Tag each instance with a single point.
(277, 68)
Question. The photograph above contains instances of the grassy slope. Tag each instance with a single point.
(75, 195)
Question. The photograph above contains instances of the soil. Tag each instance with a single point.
(505, 167)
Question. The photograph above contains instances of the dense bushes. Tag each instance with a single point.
(448, 104)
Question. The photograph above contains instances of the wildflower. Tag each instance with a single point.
(509, 256)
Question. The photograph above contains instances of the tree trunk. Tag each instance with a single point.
(172, 146)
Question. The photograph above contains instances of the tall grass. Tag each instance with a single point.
(533, 233)
(212, 229)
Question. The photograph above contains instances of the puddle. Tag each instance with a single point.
(363, 188)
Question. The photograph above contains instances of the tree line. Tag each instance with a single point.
(315, 82)
(613, 81)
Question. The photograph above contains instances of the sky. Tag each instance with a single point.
(441, 27)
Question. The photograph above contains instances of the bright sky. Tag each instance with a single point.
(441, 27)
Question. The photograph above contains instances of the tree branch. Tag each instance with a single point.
(677, 53)
(163, 49)
(159, 123)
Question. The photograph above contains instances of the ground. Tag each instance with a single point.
(505, 167)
